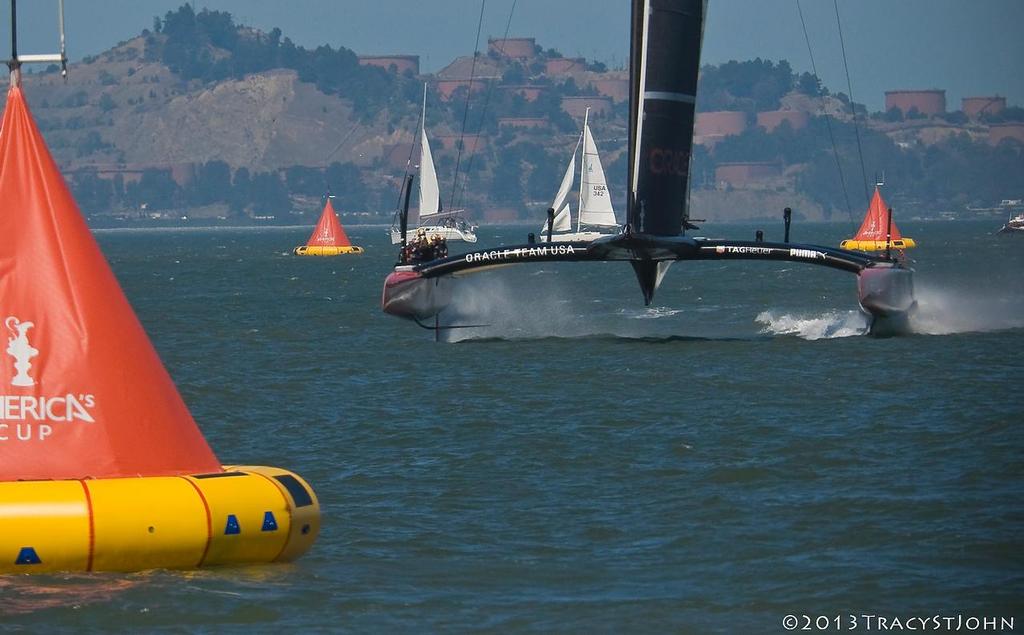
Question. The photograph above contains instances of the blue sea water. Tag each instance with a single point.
(737, 452)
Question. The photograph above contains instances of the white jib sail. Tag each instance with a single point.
(429, 194)
(563, 220)
(595, 201)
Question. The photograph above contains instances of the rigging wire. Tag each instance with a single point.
(828, 117)
(487, 101)
(336, 148)
(853, 106)
(341, 143)
(469, 96)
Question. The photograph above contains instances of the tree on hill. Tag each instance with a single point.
(267, 195)
(209, 46)
(156, 190)
(93, 193)
(545, 174)
(752, 85)
(507, 184)
(346, 183)
(305, 180)
(211, 185)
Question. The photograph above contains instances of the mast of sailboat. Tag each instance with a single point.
(423, 111)
(888, 218)
(583, 168)
(49, 58)
(423, 137)
(638, 80)
(13, 63)
(403, 219)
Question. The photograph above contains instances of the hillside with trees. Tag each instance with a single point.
(201, 114)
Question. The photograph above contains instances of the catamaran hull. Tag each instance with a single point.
(885, 289)
(407, 294)
(448, 233)
(887, 296)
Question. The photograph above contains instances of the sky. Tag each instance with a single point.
(967, 47)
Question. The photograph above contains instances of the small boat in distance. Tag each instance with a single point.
(328, 237)
(595, 203)
(878, 232)
(1014, 225)
(449, 225)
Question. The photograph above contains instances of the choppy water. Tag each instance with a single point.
(735, 453)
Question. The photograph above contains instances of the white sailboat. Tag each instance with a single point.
(450, 224)
(596, 218)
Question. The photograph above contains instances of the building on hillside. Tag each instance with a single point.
(711, 127)
(772, 119)
(615, 87)
(447, 87)
(528, 92)
(525, 123)
(999, 132)
(478, 67)
(181, 173)
(471, 143)
(927, 102)
(974, 107)
(577, 106)
(400, 63)
(520, 48)
(109, 172)
(720, 122)
(564, 65)
(746, 173)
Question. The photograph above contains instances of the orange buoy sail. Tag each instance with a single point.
(874, 231)
(328, 237)
(101, 465)
(82, 391)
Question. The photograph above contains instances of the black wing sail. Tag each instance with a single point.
(664, 61)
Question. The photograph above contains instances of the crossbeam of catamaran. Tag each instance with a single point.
(664, 60)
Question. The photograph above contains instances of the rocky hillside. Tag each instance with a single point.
(204, 115)
(118, 108)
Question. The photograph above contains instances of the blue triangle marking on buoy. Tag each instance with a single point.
(28, 555)
(269, 522)
(232, 526)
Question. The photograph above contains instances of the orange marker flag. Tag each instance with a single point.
(872, 233)
(328, 231)
(83, 393)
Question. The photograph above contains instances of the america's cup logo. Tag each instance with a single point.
(21, 350)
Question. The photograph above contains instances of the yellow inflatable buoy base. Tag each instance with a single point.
(243, 515)
(878, 245)
(312, 250)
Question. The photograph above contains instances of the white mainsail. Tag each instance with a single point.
(595, 200)
(563, 220)
(430, 196)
